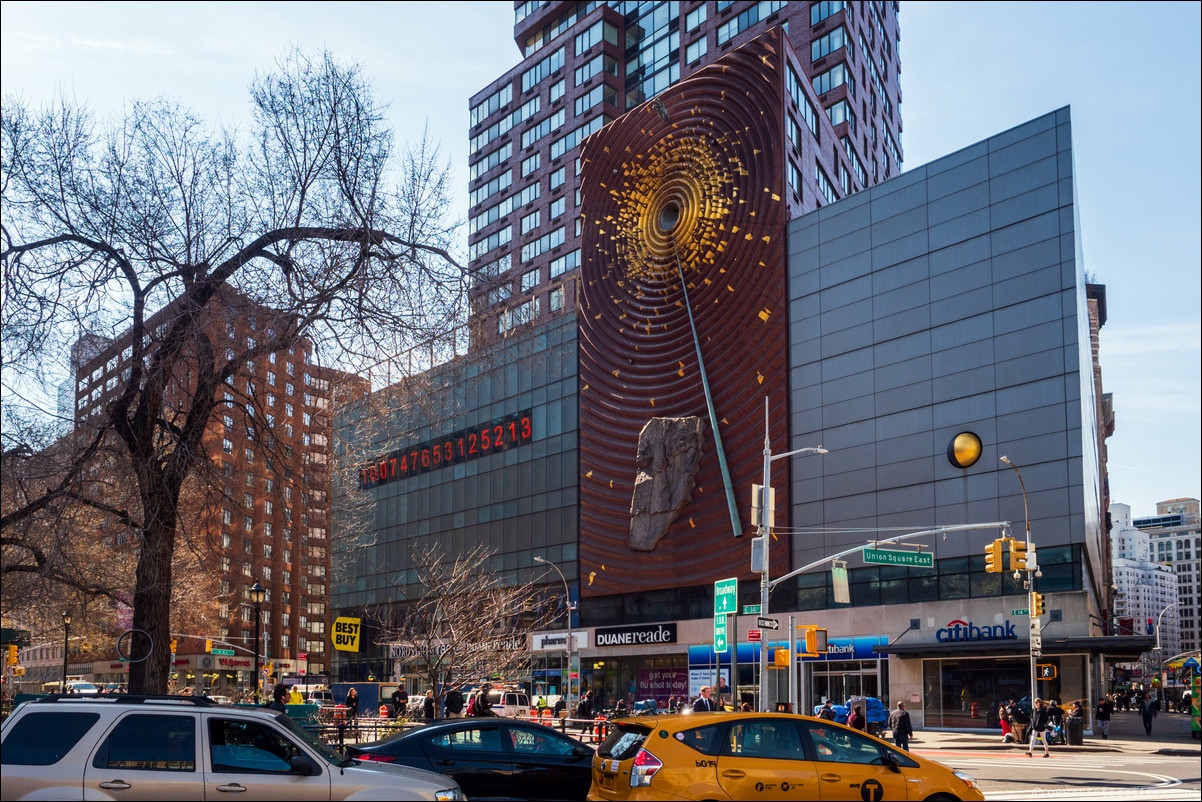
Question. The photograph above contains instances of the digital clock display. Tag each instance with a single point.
(464, 445)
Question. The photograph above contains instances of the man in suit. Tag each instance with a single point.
(704, 704)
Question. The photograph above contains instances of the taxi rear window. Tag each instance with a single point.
(622, 743)
(706, 740)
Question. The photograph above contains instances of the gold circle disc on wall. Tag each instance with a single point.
(964, 450)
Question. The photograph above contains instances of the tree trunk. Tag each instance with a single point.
(152, 594)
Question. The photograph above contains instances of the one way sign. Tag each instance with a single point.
(767, 623)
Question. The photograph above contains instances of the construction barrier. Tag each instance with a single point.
(600, 729)
(340, 714)
(548, 716)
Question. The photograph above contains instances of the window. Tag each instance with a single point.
(531, 221)
(830, 43)
(557, 299)
(557, 207)
(697, 49)
(531, 164)
(498, 156)
(227, 446)
(836, 76)
(569, 261)
(557, 90)
(757, 12)
(600, 93)
(249, 747)
(543, 69)
(475, 740)
(776, 739)
(42, 739)
(694, 18)
(491, 104)
(529, 280)
(149, 743)
(543, 244)
(822, 10)
(557, 178)
(226, 517)
(601, 63)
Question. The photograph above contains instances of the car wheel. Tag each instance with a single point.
(941, 798)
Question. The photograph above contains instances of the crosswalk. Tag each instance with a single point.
(1082, 777)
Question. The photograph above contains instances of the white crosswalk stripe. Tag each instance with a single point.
(1169, 793)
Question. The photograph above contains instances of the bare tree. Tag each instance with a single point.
(467, 624)
(309, 219)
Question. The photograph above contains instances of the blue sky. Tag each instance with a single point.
(969, 70)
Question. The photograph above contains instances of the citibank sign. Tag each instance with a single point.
(959, 631)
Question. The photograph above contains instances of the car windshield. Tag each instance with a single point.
(321, 747)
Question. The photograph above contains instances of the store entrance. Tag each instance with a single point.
(842, 680)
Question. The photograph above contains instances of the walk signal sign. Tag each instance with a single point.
(1045, 671)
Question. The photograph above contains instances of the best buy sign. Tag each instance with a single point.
(346, 634)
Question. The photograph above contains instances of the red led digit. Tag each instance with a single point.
(425, 458)
(471, 443)
(498, 436)
(485, 442)
(448, 451)
(525, 427)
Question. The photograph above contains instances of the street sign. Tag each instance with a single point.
(1023, 611)
(751, 609)
(224, 652)
(720, 643)
(754, 635)
(913, 559)
(767, 623)
(726, 596)
(1036, 643)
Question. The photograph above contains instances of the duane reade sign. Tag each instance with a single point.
(635, 635)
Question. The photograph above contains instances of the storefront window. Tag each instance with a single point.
(967, 693)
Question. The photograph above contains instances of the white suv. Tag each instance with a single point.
(177, 747)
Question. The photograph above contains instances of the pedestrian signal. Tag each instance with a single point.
(208, 645)
(816, 641)
(12, 654)
(1045, 671)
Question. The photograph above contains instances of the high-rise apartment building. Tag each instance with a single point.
(1175, 539)
(263, 513)
(586, 63)
(1145, 595)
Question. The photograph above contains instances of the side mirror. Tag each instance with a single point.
(891, 762)
(304, 766)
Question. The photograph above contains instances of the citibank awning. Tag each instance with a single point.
(1123, 647)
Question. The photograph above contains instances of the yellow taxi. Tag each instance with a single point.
(763, 756)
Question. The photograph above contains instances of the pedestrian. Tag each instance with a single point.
(429, 705)
(352, 704)
(294, 697)
(856, 719)
(1102, 716)
(279, 698)
(1147, 711)
(620, 708)
(827, 712)
(454, 702)
(1041, 722)
(1003, 717)
(400, 700)
(541, 705)
(899, 724)
(671, 704)
(703, 703)
(561, 708)
(480, 706)
(584, 709)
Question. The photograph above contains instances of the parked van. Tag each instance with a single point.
(512, 704)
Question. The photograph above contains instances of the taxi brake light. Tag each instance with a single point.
(644, 768)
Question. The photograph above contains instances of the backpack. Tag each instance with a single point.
(471, 707)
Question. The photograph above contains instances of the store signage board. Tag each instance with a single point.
(911, 559)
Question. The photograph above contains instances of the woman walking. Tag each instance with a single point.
(1041, 722)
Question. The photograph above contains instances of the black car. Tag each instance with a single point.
(492, 758)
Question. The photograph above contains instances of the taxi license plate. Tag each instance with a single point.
(606, 781)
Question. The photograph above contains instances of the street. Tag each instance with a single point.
(1128, 765)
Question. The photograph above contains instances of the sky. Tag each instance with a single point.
(969, 70)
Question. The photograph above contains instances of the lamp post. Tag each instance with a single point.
(1164, 684)
(257, 594)
(1032, 561)
(66, 641)
(567, 600)
(763, 537)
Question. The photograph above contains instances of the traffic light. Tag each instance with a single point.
(1018, 555)
(993, 557)
(173, 645)
(816, 641)
(780, 658)
(12, 654)
(1036, 605)
(208, 645)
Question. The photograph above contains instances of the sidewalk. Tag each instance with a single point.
(1170, 736)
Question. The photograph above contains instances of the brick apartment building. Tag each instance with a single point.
(262, 512)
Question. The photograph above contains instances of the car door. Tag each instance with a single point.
(546, 764)
(473, 756)
(851, 766)
(146, 755)
(763, 758)
(251, 759)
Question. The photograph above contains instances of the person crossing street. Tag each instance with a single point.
(1041, 722)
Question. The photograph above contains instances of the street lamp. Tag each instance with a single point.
(257, 594)
(1163, 674)
(763, 538)
(1032, 562)
(567, 600)
(66, 640)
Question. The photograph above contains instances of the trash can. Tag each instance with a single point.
(1074, 730)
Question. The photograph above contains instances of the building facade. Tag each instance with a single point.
(948, 300)
(586, 63)
(1174, 540)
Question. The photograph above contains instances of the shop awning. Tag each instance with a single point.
(1123, 647)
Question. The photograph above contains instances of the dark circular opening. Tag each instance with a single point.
(669, 216)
